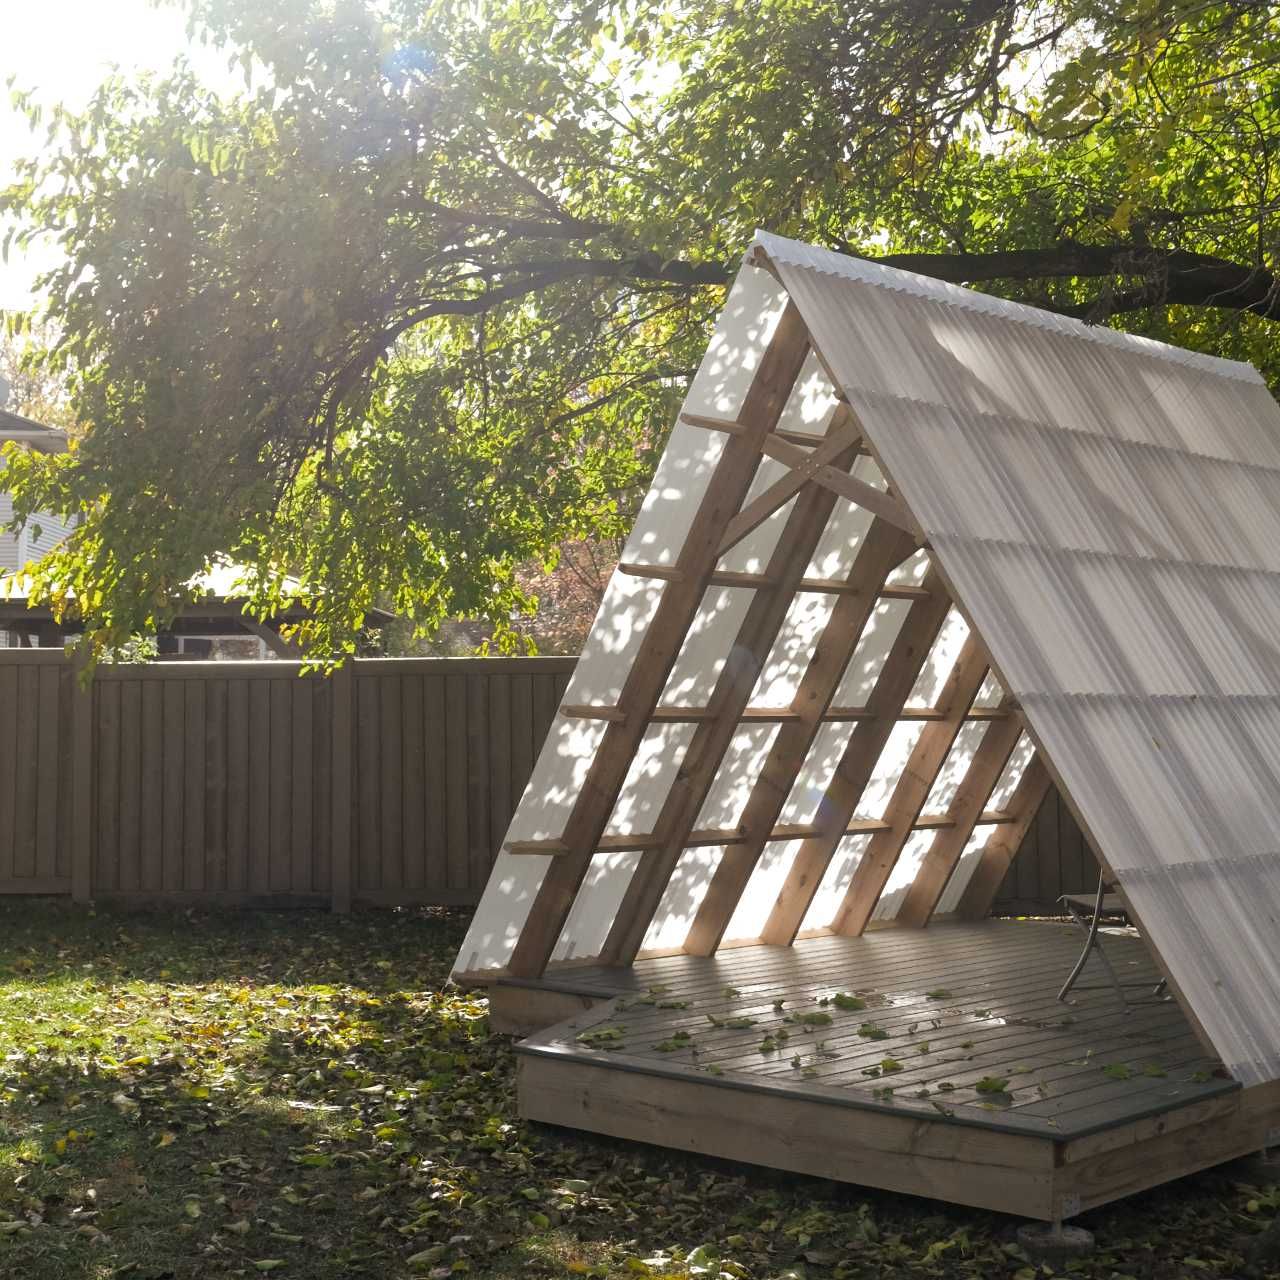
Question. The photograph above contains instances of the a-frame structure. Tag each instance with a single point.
(912, 552)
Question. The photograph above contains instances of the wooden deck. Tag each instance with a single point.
(946, 1067)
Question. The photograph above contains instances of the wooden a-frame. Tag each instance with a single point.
(626, 873)
(818, 476)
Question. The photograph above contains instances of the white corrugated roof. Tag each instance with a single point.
(1107, 510)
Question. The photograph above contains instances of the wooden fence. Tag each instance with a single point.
(391, 783)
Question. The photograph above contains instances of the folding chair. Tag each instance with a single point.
(1088, 913)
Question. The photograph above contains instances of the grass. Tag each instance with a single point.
(238, 1094)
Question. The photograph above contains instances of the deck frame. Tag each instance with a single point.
(1142, 1134)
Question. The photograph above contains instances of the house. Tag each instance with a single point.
(214, 626)
(913, 554)
(43, 531)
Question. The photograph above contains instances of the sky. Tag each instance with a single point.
(62, 49)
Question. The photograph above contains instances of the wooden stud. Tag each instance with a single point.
(762, 406)
(965, 812)
(903, 664)
(912, 790)
(765, 615)
(1000, 850)
(882, 550)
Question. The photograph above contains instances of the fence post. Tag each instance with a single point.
(340, 875)
(81, 757)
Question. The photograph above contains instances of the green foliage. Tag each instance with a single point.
(416, 306)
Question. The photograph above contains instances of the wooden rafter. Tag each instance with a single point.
(844, 434)
(912, 790)
(893, 686)
(999, 851)
(965, 812)
(768, 609)
(762, 406)
(881, 551)
(858, 491)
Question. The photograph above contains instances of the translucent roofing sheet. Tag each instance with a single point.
(1107, 511)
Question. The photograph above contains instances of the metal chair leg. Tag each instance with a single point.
(1091, 944)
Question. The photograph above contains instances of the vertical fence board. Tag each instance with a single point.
(173, 763)
(214, 786)
(500, 779)
(26, 728)
(50, 726)
(239, 795)
(105, 737)
(129, 873)
(435, 785)
(279, 770)
(368, 789)
(413, 777)
(194, 765)
(455, 735)
(302, 832)
(8, 770)
(151, 787)
(390, 762)
(259, 762)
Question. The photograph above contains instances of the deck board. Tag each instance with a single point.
(1000, 1019)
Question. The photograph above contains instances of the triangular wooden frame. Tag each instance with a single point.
(819, 475)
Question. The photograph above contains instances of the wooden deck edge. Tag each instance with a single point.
(1118, 1162)
(521, 1009)
(795, 1134)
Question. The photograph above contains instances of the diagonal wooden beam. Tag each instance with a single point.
(711, 739)
(844, 434)
(912, 790)
(857, 491)
(997, 854)
(966, 808)
(761, 408)
(882, 550)
(893, 686)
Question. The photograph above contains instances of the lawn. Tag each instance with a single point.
(209, 1094)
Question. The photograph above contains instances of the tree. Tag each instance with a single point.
(416, 307)
(34, 389)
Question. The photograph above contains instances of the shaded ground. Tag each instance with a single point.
(205, 1094)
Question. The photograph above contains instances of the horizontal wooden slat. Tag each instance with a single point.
(703, 837)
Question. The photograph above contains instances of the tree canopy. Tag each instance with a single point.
(415, 306)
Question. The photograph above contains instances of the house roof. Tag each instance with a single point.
(910, 551)
(13, 426)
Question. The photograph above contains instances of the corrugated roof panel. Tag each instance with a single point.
(1107, 510)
